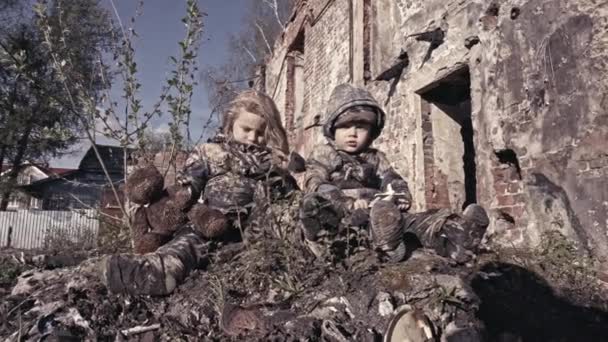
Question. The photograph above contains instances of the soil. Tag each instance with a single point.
(271, 290)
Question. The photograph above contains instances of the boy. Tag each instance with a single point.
(348, 179)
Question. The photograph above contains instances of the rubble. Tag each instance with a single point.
(273, 290)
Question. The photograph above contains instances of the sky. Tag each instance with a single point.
(159, 29)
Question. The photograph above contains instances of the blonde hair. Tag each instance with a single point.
(262, 105)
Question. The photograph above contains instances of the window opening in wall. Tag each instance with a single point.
(367, 40)
(448, 141)
(294, 93)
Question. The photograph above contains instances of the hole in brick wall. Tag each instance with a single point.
(506, 217)
(298, 43)
(515, 11)
(453, 150)
(509, 157)
(367, 22)
(493, 10)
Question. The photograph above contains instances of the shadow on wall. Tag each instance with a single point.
(519, 305)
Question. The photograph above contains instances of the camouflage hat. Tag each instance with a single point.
(349, 116)
(346, 96)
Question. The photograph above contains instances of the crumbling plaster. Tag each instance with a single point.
(538, 87)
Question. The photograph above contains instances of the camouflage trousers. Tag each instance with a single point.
(247, 206)
(427, 227)
(157, 273)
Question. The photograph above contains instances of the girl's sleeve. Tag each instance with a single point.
(205, 162)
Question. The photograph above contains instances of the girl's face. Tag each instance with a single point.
(249, 128)
(353, 137)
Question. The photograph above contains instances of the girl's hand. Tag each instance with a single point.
(361, 204)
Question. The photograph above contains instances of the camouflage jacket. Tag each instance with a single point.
(227, 174)
(367, 170)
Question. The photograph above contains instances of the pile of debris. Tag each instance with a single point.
(273, 290)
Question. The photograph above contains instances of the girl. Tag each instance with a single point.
(229, 172)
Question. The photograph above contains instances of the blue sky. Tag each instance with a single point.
(159, 29)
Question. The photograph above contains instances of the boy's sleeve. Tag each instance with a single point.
(318, 168)
(388, 175)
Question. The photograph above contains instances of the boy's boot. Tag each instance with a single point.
(476, 221)
(157, 273)
(144, 241)
(386, 230)
(317, 213)
(461, 235)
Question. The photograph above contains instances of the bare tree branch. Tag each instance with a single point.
(275, 7)
(249, 53)
(93, 208)
(264, 37)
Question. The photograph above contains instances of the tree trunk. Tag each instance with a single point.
(2, 157)
(2, 154)
(17, 162)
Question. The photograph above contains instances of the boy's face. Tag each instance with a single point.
(353, 137)
(249, 128)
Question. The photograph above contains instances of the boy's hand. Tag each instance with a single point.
(361, 204)
(403, 203)
(401, 199)
(401, 194)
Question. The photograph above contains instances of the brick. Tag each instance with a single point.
(499, 175)
(427, 126)
(519, 212)
(522, 151)
(525, 127)
(514, 188)
(505, 210)
(598, 163)
(508, 174)
(509, 200)
(500, 188)
(583, 166)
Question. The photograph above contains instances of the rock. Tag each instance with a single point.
(385, 305)
(471, 41)
(32, 280)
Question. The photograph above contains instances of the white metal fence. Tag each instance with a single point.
(36, 229)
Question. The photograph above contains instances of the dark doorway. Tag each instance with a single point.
(449, 137)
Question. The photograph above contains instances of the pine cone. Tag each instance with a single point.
(149, 243)
(144, 241)
(165, 216)
(209, 222)
(182, 197)
(144, 185)
(236, 320)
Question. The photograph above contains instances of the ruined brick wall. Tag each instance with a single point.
(537, 104)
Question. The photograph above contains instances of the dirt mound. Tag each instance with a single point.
(273, 290)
